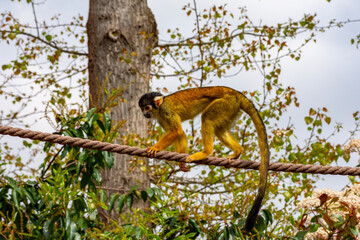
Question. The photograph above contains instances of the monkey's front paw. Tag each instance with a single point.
(151, 151)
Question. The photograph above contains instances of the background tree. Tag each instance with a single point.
(121, 35)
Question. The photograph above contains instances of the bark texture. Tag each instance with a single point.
(121, 35)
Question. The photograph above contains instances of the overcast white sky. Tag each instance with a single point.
(327, 74)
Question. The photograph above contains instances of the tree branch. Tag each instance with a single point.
(51, 44)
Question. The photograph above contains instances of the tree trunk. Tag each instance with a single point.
(121, 35)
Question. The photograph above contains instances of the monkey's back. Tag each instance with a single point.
(189, 103)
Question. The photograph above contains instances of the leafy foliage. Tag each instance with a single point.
(64, 201)
(331, 214)
(52, 46)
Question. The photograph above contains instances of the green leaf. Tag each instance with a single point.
(287, 195)
(5, 66)
(260, 224)
(308, 120)
(143, 195)
(83, 223)
(48, 38)
(113, 198)
(12, 36)
(86, 178)
(109, 158)
(239, 178)
(301, 235)
(65, 151)
(340, 220)
(90, 114)
(83, 155)
(121, 202)
(268, 217)
(102, 196)
(47, 146)
(317, 123)
(79, 204)
(354, 231)
(289, 148)
(72, 230)
(107, 121)
(48, 228)
(314, 227)
(278, 141)
(129, 200)
(194, 225)
(97, 175)
(15, 198)
(150, 192)
(134, 188)
(206, 69)
(51, 58)
(13, 184)
(28, 195)
(101, 125)
(139, 233)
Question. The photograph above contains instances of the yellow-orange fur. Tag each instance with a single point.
(220, 108)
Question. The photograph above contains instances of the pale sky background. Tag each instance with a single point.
(326, 76)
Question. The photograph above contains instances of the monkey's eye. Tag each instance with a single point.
(147, 108)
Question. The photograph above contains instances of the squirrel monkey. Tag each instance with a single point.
(220, 108)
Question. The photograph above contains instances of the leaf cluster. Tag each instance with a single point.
(50, 61)
(324, 221)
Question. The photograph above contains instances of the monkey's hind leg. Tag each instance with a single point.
(220, 114)
(207, 133)
(228, 139)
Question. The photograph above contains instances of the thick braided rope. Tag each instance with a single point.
(172, 156)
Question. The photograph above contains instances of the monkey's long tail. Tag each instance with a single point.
(248, 107)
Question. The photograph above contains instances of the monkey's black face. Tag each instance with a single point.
(148, 115)
(147, 105)
(147, 111)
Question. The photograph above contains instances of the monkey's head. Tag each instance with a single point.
(149, 103)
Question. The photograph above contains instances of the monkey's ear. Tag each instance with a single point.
(158, 100)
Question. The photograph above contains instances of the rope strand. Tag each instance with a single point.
(172, 156)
